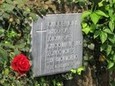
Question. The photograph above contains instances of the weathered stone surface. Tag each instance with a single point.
(56, 44)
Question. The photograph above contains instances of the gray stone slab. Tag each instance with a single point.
(56, 44)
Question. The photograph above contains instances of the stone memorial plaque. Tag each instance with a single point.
(56, 44)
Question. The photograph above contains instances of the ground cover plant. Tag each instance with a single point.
(98, 21)
(15, 26)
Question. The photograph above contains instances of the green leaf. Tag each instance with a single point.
(101, 13)
(112, 52)
(113, 1)
(111, 11)
(95, 18)
(110, 64)
(91, 46)
(59, 84)
(6, 71)
(80, 69)
(1, 31)
(111, 26)
(6, 15)
(111, 38)
(3, 55)
(113, 83)
(107, 30)
(103, 36)
(20, 46)
(84, 25)
(11, 34)
(86, 14)
(9, 1)
(92, 28)
(108, 50)
(8, 45)
(7, 7)
(97, 33)
(73, 70)
(20, 3)
(103, 47)
(86, 30)
(100, 4)
(26, 11)
(33, 15)
(114, 58)
(16, 51)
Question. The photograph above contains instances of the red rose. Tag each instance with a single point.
(20, 64)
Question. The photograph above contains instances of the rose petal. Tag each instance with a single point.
(20, 64)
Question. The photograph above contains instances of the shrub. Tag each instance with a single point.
(99, 32)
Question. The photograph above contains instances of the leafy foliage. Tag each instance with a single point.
(15, 25)
(99, 28)
(15, 19)
(98, 23)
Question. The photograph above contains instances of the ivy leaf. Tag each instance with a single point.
(100, 3)
(6, 71)
(8, 45)
(101, 13)
(86, 30)
(73, 70)
(9, 1)
(16, 51)
(80, 69)
(19, 46)
(111, 26)
(7, 7)
(114, 58)
(85, 14)
(112, 83)
(103, 36)
(112, 38)
(91, 46)
(92, 27)
(107, 30)
(113, 1)
(103, 47)
(1, 31)
(96, 34)
(33, 15)
(3, 55)
(108, 50)
(20, 3)
(110, 64)
(95, 18)
(6, 15)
